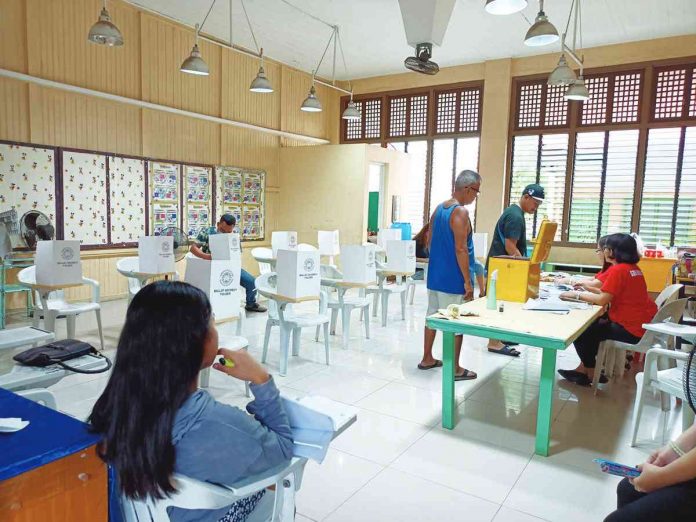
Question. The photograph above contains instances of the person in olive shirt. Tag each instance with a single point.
(510, 239)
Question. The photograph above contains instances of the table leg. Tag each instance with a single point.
(448, 364)
(543, 430)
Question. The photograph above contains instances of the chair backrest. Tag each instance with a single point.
(27, 275)
(306, 247)
(126, 265)
(262, 253)
(330, 272)
(269, 282)
(668, 294)
(671, 312)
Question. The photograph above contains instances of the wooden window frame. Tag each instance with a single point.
(646, 121)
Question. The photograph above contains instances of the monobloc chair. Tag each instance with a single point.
(669, 293)
(128, 267)
(51, 305)
(40, 395)
(306, 247)
(281, 314)
(411, 282)
(382, 291)
(341, 302)
(667, 381)
(262, 255)
(606, 356)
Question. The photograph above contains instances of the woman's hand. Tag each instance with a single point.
(650, 479)
(662, 457)
(245, 366)
(571, 296)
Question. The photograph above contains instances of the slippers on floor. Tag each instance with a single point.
(506, 350)
(436, 364)
(466, 376)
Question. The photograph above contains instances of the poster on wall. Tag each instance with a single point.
(240, 192)
(27, 180)
(197, 187)
(127, 199)
(164, 196)
(84, 198)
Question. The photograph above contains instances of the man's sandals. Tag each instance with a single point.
(467, 375)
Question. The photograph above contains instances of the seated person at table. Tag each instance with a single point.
(591, 284)
(625, 292)
(154, 421)
(666, 488)
(202, 250)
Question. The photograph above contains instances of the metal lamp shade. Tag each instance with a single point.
(541, 33)
(351, 112)
(562, 74)
(311, 103)
(261, 83)
(577, 91)
(505, 7)
(104, 32)
(194, 64)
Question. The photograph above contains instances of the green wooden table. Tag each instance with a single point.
(550, 332)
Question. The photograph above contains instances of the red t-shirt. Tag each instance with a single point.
(602, 275)
(631, 305)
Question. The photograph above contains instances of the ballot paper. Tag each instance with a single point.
(12, 424)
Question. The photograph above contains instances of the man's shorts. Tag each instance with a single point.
(438, 300)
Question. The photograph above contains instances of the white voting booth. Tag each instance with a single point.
(58, 263)
(283, 240)
(358, 264)
(298, 273)
(481, 245)
(388, 234)
(328, 241)
(219, 278)
(156, 255)
(401, 256)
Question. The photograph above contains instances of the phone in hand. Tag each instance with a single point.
(620, 470)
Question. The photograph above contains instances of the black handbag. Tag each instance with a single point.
(57, 352)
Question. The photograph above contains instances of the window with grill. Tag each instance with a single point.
(540, 105)
(675, 93)
(614, 98)
(541, 159)
(668, 204)
(603, 184)
(369, 126)
(458, 111)
(412, 207)
(408, 115)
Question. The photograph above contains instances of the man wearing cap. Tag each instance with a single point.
(202, 250)
(510, 239)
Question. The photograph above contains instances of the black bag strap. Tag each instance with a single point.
(79, 370)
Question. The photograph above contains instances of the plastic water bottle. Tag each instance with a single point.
(492, 302)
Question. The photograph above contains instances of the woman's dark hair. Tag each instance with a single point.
(602, 244)
(624, 248)
(420, 237)
(159, 355)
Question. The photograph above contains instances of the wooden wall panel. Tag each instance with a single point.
(58, 48)
(238, 103)
(167, 136)
(295, 88)
(73, 120)
(14, 110)
(244, 148)
(12, 35)
(165, 46)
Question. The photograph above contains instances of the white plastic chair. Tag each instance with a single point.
(195, 494)
(667, 381)
(50, 305)
(344, 303)
(607, 355)
(262, 255)
(128, 267)
(40, 395)
(281, 314)
(306, 247)
(382, 291)
(668, 294)
(231, 342)
(411, 283)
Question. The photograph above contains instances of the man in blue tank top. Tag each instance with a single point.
(451, 263)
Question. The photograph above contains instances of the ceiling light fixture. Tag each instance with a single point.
(542, 32)
(505, 7)
(311, 102)
(195, 64)
(562, 74)
(104, 32)
(352, 112)
(260, 83)
(577, 91)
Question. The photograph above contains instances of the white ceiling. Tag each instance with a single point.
(375, 43)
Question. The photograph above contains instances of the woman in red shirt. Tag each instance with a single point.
(625, 292)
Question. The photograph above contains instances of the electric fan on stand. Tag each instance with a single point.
(35, 226)
(181, 242)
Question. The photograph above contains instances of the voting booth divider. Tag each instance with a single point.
(219, 278)
(401, 256)
(156, 255)
(283, 240)
(358, 264)
(298, 274)
(328, 241)
(387, 234)
(58, 263)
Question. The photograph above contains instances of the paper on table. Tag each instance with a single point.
(12, 424)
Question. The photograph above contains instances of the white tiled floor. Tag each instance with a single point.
(397, 463)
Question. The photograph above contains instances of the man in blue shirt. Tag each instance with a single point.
(202, 250)
(452, 259)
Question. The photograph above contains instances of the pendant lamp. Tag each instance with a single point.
(542, 32)
(195, 64)
(261, 83)
(351, 112)
(104, 32)
(577, 91)
(311, 102)
(562, 74)
(505, 7)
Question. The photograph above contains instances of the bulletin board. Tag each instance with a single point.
(198, 207)
(241, 192)
(165, 190)
(27, 179)
(84, 197)
(127, 186)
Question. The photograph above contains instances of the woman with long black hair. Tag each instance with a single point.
(155, 421)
